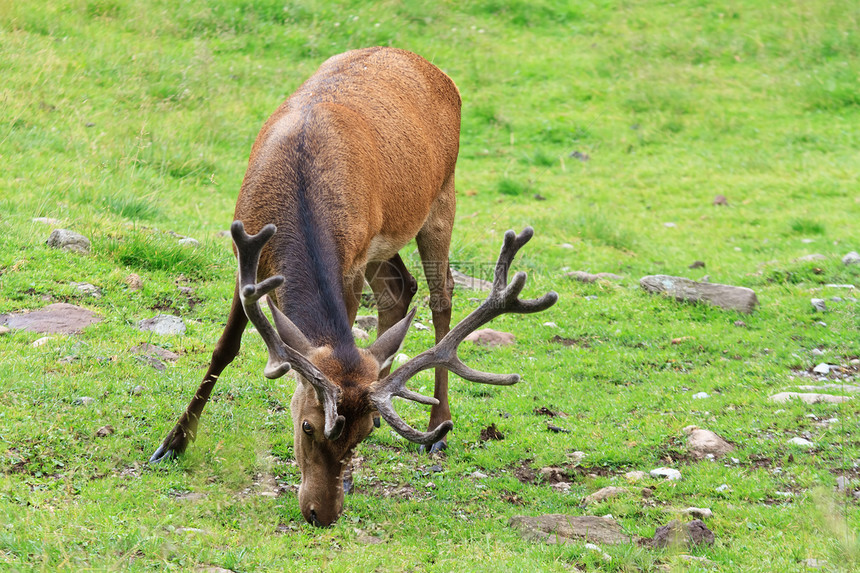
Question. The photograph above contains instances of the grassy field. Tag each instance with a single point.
(596, 122)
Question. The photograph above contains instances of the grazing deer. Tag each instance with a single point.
(357, 162)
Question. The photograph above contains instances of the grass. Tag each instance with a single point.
(132, 123)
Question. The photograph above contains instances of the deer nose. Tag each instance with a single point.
(314, 520)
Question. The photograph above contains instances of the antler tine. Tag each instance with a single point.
(281, 356)
(504, 298)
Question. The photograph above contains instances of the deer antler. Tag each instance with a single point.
(281, 355)
(502, 299)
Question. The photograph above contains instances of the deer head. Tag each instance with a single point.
(333, 404)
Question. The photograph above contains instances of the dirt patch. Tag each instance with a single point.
(58, 318)
(579, 342)
(491, 432)
(525, 473)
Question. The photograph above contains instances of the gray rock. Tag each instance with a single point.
(698, 512)
(87, 288)
(58, 318)
(566, 529)
(42, 341)
(359, 334)
(851, 388)
(465, 281)
(585, 277)
(801, 442)
(822, 368)
(83, 401)
(367, 322)
(817, 352)
(690, 534)
(813, 563)
(137, 390)
(68, 241)
(842, 483)
(635, 475)
(666, 473)
(808, 398)
(104, 431)
(163, 324)
(700, 396)
(851, 258)
(702, 443)
(491, 338)
(819, 304)
(189, 242)
(721, 200)
(154, 350)
(724, 296)
(604, 493)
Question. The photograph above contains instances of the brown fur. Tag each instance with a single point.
(355, 164)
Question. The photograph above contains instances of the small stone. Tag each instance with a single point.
(68, 241)
(817, 352)
(808, 398)
(491, 338)
(670, 225)
(813, 563)
(740, 324)
(697, 265)
(722, 488)
(802, 442)
(418, 326)
(550, 324)
(851, 258)
(721, 200)
(604, 493)
(585, 277)
(104, 431)
(561, 487)
(436, 469)
(430, 485)
(818, 304)
(137, 390)
(83, 401)
(724, 296)
(842, 483)
(635, 475)
(736, 461)
(700, 395)
(666, 473)
(359, 334)
(189, 242)
(42, 341)
(163, 324)
(821, 323)
(703, 442)
(822, 368)
(87, 288)
(575, 457)
(478, 475)
(401, 359)
(367, 322)
(593, 547)
(566, 246)
(699, 512)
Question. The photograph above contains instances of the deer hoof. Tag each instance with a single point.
(437, 447)
(171, 448)
(163, 453)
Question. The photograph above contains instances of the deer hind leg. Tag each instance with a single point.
(185, 430)
(433, 241)
(393, 288)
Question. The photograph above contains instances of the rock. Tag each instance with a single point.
(817, 352)
(418, 326)
(367, 322)
(465, 281)
(697, 265)
(635, 475)
(700, 396)
(724, 296)
(87, 288)
(604, 493)
(189, 242)
(68, 241)
(698, 512)
(722, 488)
(666, 473)
(808, 398)
(721, 200)
(137, 390)
(42, 341)
(819, 304)
(46, 221)
(842, 484)
(478, 475)
(491, 338)
(4, 330)
(163, 324)
(552, 474)
(561, 487)
(822, 368)
(359, 334)
(585, 277)
(689, 535)
(134, 282)
(83, 401)
(563, 529)
(670, 225)
(550, 324)
(740, 324)
(154, 350)
(401, 359)
(851, 258)
(592, 547)
(802, 442)
(575, 457)
(841, 387)
(701, 442)
(104, 431)
(58, 318)
(813, 563)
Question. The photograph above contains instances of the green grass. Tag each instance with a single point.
(132, 122)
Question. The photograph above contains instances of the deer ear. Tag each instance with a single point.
(387, 345)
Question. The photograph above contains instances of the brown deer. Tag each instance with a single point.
(357, 162)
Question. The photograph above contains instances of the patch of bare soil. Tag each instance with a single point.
(491, 432)
(580, 342)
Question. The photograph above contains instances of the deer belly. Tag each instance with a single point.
(383, 248)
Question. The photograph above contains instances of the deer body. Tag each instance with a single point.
(356, 163)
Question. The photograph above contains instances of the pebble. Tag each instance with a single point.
(134, 281)
(566, 246)
(42, 341)
(550, 324)
(822, 368)
(635, 475)
(818, 304)
(604, 493)
(189, 242)
(593, 547)
(699, 512)
(478, 475)
(87, 288)
(419, 326)
(46, 220)
(359, 334)
(817, 352)
(104, 431)
(401, 359)
(721, 488)
(670, 225)
(842, 483)
(561, 487)
(164, 324)
(701, 395)
(802, 442)
(137, 390)
(851, 258)
(666, 473)
(83, 401)
(68, 241)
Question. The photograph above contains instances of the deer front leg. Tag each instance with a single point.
(185, 430)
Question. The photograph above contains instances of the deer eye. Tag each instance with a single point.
(307, 428)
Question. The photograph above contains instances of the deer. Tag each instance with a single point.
(357, 162)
